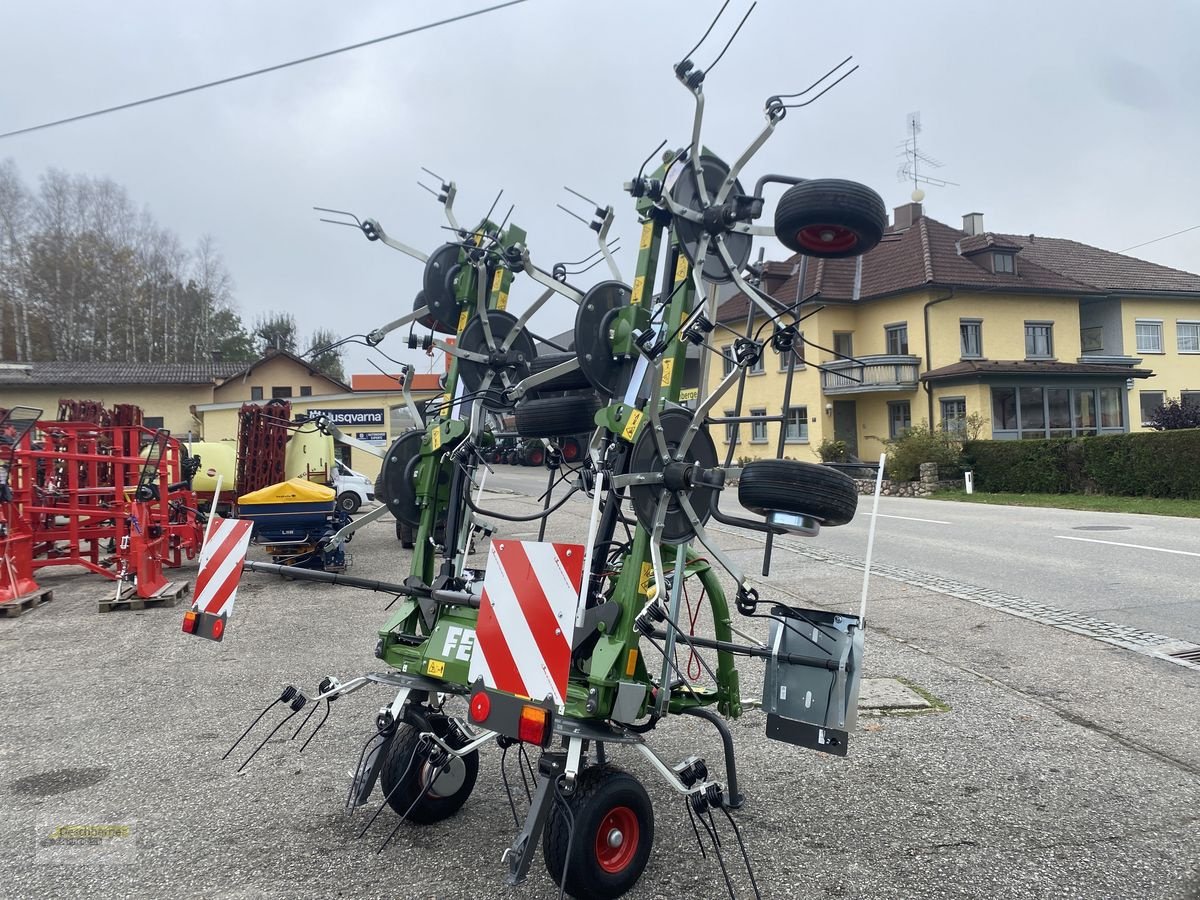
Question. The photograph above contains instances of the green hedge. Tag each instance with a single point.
(1145, 464)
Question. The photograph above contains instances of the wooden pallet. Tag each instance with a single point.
(128, 598)
(12, 608)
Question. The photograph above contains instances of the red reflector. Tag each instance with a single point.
(532, 727)
(218, 629)
(189, 621)
(481, 705)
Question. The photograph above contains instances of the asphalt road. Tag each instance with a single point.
(1135, 570)
(1053, 766)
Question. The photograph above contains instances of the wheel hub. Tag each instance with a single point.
(617, 839)
(449, 782)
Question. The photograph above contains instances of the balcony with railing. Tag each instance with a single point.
(870, 374)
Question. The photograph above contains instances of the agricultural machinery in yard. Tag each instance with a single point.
(566, 650)
(97, 490)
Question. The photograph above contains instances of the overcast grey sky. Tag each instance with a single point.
(1073, 119)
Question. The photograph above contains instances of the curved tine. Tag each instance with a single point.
(813, 100)
(573, 214)
(685, 504)
(592, 266)
(519, 325)
(586, 259)
(545, 279)
(339, 212)
(712, 65)
(653, 153)
(704, 37)
(814, 84)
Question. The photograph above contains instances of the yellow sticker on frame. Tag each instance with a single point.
(668, 370)
(631, 427)
(436, 668)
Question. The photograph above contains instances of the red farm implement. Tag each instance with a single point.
(99, 491)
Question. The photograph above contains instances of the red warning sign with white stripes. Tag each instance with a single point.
(527, 618)
(217, 581)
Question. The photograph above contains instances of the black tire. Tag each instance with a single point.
(572, 381)
(401, 782)
(605, 800)
(786, 485)
(556, 416)
(535, 455)
(830, 218)
(349, 502)
(405, 535)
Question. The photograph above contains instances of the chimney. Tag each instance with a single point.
(973, 223)
(906, 215)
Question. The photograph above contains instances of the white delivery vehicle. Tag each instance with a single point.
(353, 488)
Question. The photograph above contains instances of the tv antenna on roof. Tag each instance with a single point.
(914, 159)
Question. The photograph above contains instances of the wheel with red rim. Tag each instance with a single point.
(572, 450)
(605, 852)
(830, 218)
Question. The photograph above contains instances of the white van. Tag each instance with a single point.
(353, 488)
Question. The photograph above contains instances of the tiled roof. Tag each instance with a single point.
(117, 373)
(423, 381)
(244, 370)
(932, 254)
(983, 368)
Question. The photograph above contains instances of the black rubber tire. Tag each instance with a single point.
(401, 782)
(851, 216)
(786, 485)
(406, 535)
(599, 791)
(348, 502)
(535, 455)
(572, 381)
(557, 416)
(380, 493)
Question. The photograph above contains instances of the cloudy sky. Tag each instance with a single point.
(1074, 119)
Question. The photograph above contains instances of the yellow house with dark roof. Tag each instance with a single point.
(1025, 335)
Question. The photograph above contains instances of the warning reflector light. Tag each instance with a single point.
(532, 727)
(481, 705)
(189, 621)
(218, 628)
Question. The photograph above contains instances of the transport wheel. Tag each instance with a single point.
(572, 450)
(407, 770)
(548, 417)
(830, 218)
(349, 502)
(613, 825)
(570, 382)
(405, 535)
(536, 455)
(787, 485)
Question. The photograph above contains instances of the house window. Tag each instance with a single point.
(757, 368)
(1149, 335)
(758, 430)
(256, 393)
(970, 332)
(153, 422)
(731, 428)
(1150, 401)
(1003, 263)
(1187, 337)
(797, 424)
(897, 339)
(954, 415)
(281, 393)
(1189, 398)
(843, 344)
(1039, 340)
(1037, 412)
(727, 362)
(306, 390)
(899, 417)
(796, 356)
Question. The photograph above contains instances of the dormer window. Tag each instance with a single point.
(1004, 263)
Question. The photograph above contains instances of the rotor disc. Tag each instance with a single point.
(429, 320)
(686, 193)
(439, 291)
(520, 355)
(677, 528)
(593, 342)
(398, 476)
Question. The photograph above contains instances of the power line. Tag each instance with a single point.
(244, 75)
(1157, 239)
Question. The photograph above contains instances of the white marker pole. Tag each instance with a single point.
(862, 611)
(212, 510)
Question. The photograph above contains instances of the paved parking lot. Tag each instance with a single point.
(1053, 765)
